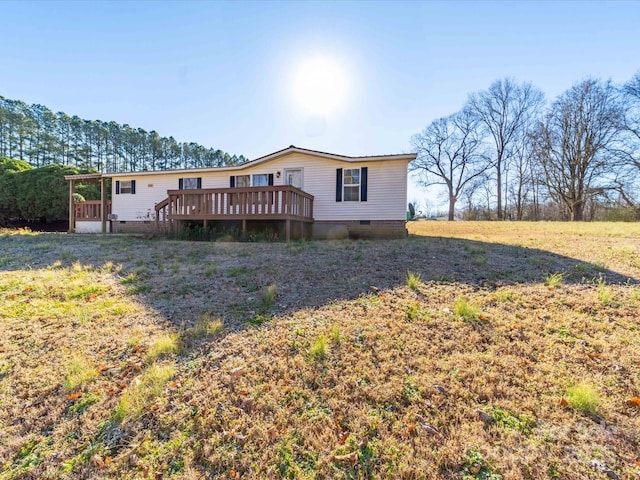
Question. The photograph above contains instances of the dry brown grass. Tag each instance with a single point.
(347, 371)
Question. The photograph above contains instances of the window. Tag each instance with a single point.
(239, 181)
(351, 185)
(261, 180)
(293, 176)
(125, 187)
(190, 183)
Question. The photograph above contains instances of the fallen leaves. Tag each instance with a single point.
(235, 373)
(247, 404)
(74, 396)
(100, 462)
(272, 434)
(634, 402)
(349, 457)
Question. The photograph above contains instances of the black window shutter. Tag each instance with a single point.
(270, 180)
(232, 181)
(133, 187)
(117, 187)
(199, 183)
(180, 183)
(338, 185)
(363, 183)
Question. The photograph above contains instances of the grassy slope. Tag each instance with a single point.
(123, 357)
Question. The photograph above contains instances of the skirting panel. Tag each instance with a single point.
(355, 229)
(118, 226)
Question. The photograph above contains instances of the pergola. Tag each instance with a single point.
(88, 177)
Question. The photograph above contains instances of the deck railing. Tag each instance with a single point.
(283, 202)
(90, 210)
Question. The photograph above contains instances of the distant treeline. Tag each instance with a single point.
(35, 134)
(510, 154)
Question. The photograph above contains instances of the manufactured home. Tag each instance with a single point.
(294, 192)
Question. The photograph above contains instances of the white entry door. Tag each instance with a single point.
(293, 176)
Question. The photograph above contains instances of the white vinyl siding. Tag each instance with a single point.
(386, 187)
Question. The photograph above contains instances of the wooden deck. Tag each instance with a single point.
(282, 202)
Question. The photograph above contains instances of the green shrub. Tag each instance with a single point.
(34, 193)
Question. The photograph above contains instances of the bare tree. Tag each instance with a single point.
(575, 143)
(504, 110)
(523, 168)
(474, 193)
(450, 154)
(631, 92)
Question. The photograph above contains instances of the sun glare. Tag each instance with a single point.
(319, 85)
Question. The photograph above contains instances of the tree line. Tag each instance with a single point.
(35, 134)
(508, 154)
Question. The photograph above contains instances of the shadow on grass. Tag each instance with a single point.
(246, 283)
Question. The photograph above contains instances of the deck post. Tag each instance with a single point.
(244, 228)
(72, 208)
(103, 206)
(288, 230)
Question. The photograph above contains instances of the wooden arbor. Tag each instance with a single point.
(93, 210)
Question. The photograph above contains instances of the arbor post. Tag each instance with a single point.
(72, 209)
(103, 206)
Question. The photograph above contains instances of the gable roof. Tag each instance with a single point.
(272, 156)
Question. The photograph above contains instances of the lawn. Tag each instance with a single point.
(467, 351)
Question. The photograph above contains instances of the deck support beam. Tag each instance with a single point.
(288, 230)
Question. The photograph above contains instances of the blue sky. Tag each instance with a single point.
(221, 73)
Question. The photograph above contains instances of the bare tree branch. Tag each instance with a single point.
(450, 154)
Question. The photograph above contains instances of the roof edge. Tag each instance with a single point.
(259, 160)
